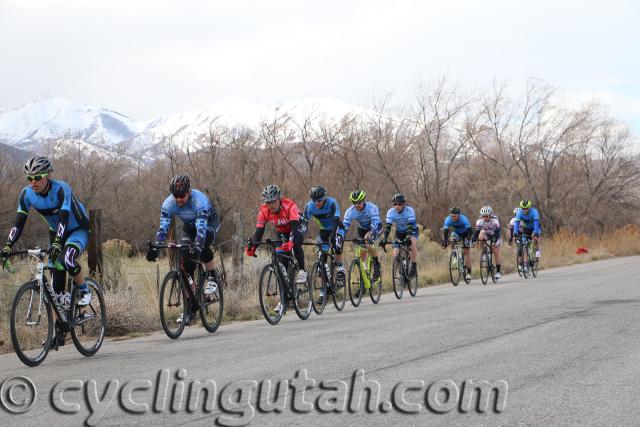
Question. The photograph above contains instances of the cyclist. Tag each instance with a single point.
(488, 227)
(512, 223)
(68, 227)
(528, 223)
(284, 214)
(326, 213)
(367, 215)
(404, 218)
(461, 230)
(200, 225)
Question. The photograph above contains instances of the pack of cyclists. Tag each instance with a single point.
(69, 226)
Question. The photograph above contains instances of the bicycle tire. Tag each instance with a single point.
(492, 268)
(177, 297)
(484, 266)
(525, 263)
(300, 292)
(534, 263)
(338, 291)
(398, 276)
(412, 282)
(375, 291)
(16, 337)
(355, 283)
(211, 306)
(271, 287)
(319, 284)
(518, 263)
(454, 269)
(79, 314)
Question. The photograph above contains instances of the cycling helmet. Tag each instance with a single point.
(38, 165)
(270, 193)
(180, 185)
(515, 211)
(399, 198)
(317, 193)
(454, 210)
(486, 211)
(525, 204)
(357, 196)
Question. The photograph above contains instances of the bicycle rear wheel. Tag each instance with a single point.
(88, 323)
(355, 284)
(318, 288)
(485, 268)
(31, 327)
(272, 301)
(212, 305)
(454, 270)
(173, 304)
(302, 297)
(398, 274)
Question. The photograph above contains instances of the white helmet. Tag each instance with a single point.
(486, 211)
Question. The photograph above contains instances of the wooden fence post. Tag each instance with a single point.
(95, 243)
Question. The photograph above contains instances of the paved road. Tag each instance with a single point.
(567, 345)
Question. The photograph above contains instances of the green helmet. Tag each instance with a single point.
(525, 204)
(357, 196)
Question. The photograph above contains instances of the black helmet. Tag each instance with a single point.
(180, 185)
(318, 193)
(399, 198)
(454, 210)
(37, 165)
(270, 193)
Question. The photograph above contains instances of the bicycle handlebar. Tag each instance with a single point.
(35, 252)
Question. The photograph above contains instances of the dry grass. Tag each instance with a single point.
(131, 284)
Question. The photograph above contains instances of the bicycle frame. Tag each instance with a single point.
(365, 266)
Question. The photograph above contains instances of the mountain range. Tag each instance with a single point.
(59, 122)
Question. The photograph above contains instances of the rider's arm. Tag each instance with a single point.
(476, 232)
(411, 222)
(445, 228)
(343, 227)
(261, 221)
(201, 228)
(536, 222)
(376, 224)
(64, 207)
(516, 224)
(166, 214)
(21, 218)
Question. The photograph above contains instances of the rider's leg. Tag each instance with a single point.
(73, 248)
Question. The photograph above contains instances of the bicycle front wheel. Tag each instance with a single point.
(533, 260)
(89, 322)
(174, 307)
(375, 291)
(454, 270)
(355, 284)
(212, 305)
(272, 302)
(318, 288)
(413, 281)
(398, 274)
(485, 269)
(31, 324)
(302, 297)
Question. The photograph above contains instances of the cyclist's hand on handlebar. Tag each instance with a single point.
(4, 253)
(55, 249)
(287, 246)
(383, 243)
(444, 244)
(152, 253)
(408, 241)
(195, 252)
(250, 251)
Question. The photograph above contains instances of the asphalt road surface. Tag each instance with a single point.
(560, 349)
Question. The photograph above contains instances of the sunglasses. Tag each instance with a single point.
(398, 204)
(36, 177)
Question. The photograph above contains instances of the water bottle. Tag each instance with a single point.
(328, 270)
(283, 270)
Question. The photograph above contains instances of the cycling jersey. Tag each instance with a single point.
(368, 219)
(282, 219)
(57, 206)
(512, 222)
(528, 222)
(461, 226)
(197, 212)
(490, 227)
(327, 217)
(404, 220)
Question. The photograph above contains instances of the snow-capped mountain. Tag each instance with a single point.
(54, 118)
(50, 121)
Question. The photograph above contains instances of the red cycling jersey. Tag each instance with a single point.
(282, 219)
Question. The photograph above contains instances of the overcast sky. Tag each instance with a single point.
(147, 58)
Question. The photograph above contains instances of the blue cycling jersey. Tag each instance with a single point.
(58, 206)
(402, 219)
(327, 217)
(197, 212)
(529, 221)
(460, 226)
(368, 219)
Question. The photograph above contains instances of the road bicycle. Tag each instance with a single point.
(323, 280)
(401, 269)
(487, 267)
(181, 296)
(32, 327)
(526, 258)
(360, 274)
(456, 263)
(278, 286)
